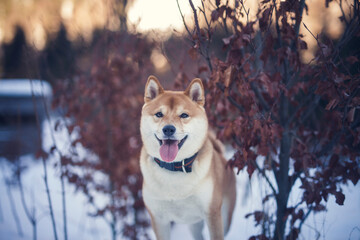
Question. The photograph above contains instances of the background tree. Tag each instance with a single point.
(296, 123)
(104, 105)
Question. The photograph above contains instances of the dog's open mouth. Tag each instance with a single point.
(169, 148)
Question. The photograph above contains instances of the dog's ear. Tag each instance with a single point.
(153, 89)
(195, 91)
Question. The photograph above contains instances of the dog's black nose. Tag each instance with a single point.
(169, 130)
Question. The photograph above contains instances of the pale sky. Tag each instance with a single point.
(159, 14)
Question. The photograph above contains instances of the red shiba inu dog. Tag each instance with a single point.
(185, 177)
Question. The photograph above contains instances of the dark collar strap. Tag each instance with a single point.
(183, 166)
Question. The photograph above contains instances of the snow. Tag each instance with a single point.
(80, 225)
(339, 222)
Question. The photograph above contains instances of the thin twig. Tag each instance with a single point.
(343, 13)
(246, 12)
(12, 205)
(305, 217)
(44, 165)
(352, 230)
(316, 38)
(63, 193)
(30, 216)
(183, 19)
(196, 20)
(258, 168)
(266, 178)
(277, 23)
(13, 210)
(298, 20)
(200, 38)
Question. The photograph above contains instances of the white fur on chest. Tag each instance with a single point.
(177, 196)
(188, 210)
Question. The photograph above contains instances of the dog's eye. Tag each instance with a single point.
(159, 114)
(184, 115)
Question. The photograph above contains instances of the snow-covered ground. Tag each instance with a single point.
(339, 222)
(80, 225)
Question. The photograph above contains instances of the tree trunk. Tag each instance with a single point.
(282, 175)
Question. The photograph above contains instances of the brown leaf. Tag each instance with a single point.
(325, 49)
(352, 59)
(193, 53)
(303, 45)
(229, 75)
(340, 198)
(227, 40)
(351, 114)
(332, 104)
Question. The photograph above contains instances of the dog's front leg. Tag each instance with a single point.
(214, 222)
(161, 228)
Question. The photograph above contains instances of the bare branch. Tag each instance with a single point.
(343, 13)
(299, 19)
(63, 193)
(203, 52)
(204, 13)
(44, 165)
(196, 20)
(13, 207)
(183, 19)
(277, 23)
(31, 216)
(316, 38)
(266, 178)
(305, 217)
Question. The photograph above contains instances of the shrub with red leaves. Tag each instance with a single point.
(296, 121)
(104, 106)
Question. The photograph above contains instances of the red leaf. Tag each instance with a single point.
(250, 168)
(227, 40)
(52, 149)
(303, 45)
(332, 104)
(325, 49)
(352, 59)
(351, 114)
(259, 216)
(57, 125)
(263, 21)
(229, 74)
(193, 53)
(340, 197)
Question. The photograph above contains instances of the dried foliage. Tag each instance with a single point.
(291, 121)
(104, 106)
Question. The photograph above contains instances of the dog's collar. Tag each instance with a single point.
(184, 166)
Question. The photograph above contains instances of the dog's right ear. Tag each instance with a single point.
(153, 89)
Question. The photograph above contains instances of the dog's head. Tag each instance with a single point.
(173, 123)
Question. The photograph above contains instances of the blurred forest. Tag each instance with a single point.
(284, 97)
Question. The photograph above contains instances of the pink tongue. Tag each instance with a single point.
(169, 150)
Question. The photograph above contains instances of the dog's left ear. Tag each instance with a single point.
(153, 89)
(195, 91)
